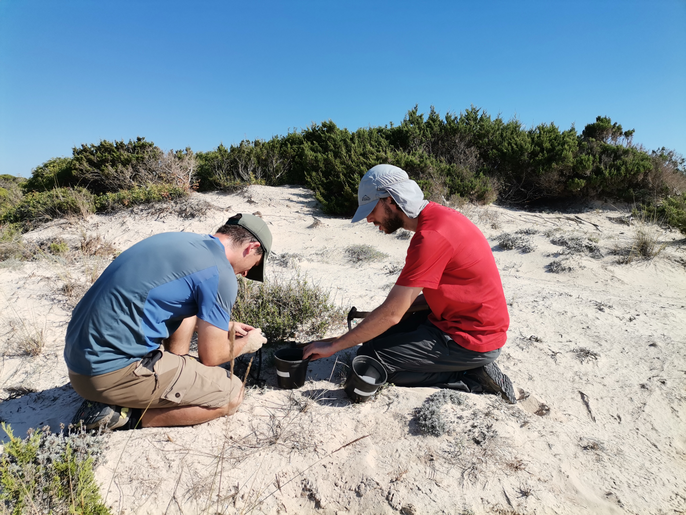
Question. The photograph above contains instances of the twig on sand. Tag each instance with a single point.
(587, 222)
(584, 398)
(349, 443)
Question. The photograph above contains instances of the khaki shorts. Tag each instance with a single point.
(174, 381)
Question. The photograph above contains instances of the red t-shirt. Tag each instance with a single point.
(452, 261)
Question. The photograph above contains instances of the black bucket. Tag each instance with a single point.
(364, 378)
(291, 368)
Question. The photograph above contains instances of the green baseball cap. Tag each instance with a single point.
(255, 226)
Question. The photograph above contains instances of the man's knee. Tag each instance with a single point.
(237, 394)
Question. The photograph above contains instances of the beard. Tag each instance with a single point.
(393, 221)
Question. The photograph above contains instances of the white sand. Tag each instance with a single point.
(597, 355)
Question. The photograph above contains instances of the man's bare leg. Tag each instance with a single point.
(187, 415)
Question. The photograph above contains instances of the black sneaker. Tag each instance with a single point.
(494, 381)
(94, 415)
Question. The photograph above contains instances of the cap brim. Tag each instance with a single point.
(256, 273)
(363, 211)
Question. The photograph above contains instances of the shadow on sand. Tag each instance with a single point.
(52, 407)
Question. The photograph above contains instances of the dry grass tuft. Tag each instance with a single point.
(96, 246)
(29, 338)
(644, 246)
(359, 254)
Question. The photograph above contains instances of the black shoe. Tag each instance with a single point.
(94, 415)
(494, 381)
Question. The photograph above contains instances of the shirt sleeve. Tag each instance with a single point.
(210, 308)
(427, 257)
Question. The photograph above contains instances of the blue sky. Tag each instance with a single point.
(200, 73)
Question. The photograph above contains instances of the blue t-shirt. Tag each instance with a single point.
(143, 296)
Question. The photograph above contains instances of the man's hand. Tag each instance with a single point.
(318, 350)
(241, 329)
(252, 341)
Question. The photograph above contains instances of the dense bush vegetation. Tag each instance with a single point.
(285, 309)
(465, 157)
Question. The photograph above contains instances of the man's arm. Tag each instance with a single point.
(382, 318)
(214, 347)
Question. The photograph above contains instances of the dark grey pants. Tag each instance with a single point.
(417, 353)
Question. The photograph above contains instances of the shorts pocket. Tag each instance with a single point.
(178, 387)
(142, 371)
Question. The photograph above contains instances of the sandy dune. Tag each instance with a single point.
(597, 353)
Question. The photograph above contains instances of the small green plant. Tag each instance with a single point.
(58, 247)
(50, 473)
(286, 308)
(363, 253)
(429, 416)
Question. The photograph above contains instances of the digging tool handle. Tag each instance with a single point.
(302, 344)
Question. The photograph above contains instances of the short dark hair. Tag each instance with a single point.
(240, 236)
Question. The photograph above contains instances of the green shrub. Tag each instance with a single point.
(10, 192)
(54, 173)
(109, 167)
(285, 309)
(115, 201)
(332, 162)
(51, 473)
(468, 156)
(39, 207)
(673, 211)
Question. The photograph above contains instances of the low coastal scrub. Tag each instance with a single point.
(50, 473)
(431, 417)
(520, 241)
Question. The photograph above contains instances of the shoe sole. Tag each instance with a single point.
(498, 383)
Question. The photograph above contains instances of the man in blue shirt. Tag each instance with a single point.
(128, 340)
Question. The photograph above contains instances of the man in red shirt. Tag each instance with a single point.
(450, 269)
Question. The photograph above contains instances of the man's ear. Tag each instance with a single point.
(391, 203)
(252, 245)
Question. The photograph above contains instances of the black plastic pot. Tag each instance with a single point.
(364, 378)
(291, 368)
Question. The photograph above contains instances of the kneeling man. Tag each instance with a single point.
(128, 339)
(450, 269)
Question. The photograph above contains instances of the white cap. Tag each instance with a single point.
(384, 181)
